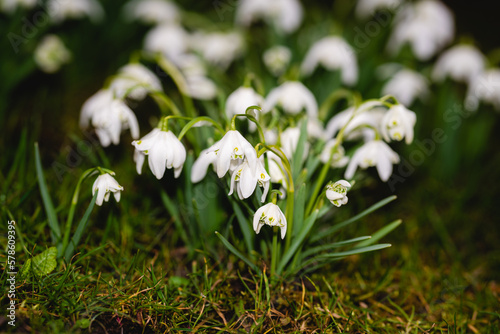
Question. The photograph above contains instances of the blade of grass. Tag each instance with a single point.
(322, 248)
(79, 229)
(380, 233)
(245, 227)
(237, 252)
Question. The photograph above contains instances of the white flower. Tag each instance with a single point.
(426, 25)
(315, 128)
(485, 87)
(10, 6)
(358, 122)
(218, 48)
(152, 11)
(461, 63)
(105, 184)
(407, 85)
(269, 214)
(293, 97)
(164, 150)
(337, 193)
(276, 170)
(333, 53)
(242, 98)
(200, 87)
(170, 40)
(51, 54)
(285, 15)
(109, 116)
(74, 9)
(289, 141)
(271, 136)
(366, 8)
(135, 81)
(339, 159)
(231, 150)
(277, 59)
(245, 179)
(374, 153)
(398, 123)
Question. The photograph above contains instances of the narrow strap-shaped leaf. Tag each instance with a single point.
(237, 252)
(79, 229)
(55, 230)
(174, 212)
(322, 248)
(380, 233)
(299, 151)
(356, 251)
(351, 220)
(245, 226)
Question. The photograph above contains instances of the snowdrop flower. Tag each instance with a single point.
(228, 152)
(170, 40)
(51, 54)
(276, 170)
(426, 25)
(290, 140)
(285, 15)
(337, 192)
(219, 49)
(164, 150)
(398, 123)
(461, 63)
(333, 53)
(105, 184)
(315, 128)
(200, 87)
(245, 179)
(485, 87)
(271, 136)
(277, 59)
(269, 214)
(109, 116)
(74, 9)
(152, 11)
(10, 6)
(135, 81)
(373, 153)
(293, 97)
(242, 98)
(366, 8)
(406, 85)
(339, 159)
(359, 122)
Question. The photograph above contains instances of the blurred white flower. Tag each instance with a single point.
(51, 54)
(164, 150)
(337, 192)
(293, 97)
(219, 49)
(271, 136)
(373, 153)
(289, 140)
(134, 81)
(315, 128)
(105, 184)
(245, 179)
(359, 122)
(10, 6)
(152, 11)
(277, 59)
(339, 159)
(398, 123)
(276, 170)
(242, 98)
(461, 63)
(485, 87)
(200, 87)
(109, 116)
(407, 85)
(285, 15)
(229, 152)
(427, 25)
(269, 214)
(171, 40)
(333, 53)
(366, 8)
(74, 9)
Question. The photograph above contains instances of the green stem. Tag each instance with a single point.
(188, 126)
(274, 251)
(333, 98)
(165, 103)
(74, 202)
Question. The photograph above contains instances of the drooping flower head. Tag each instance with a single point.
(269, 214)
(337, 192)
(51, 54)
(105, 184)
(293, 97)
(398, 123)
(135, 81)
(168, 39)
(238, 101)
(338, 158)
(461, 63)
(485, 87)
(219, 49)
(164, 150)
(74, 9)
(407, 85)
(277, 59)
(152, 11)
(244, 179)
(366, 8)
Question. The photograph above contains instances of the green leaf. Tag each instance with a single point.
(299, 209)
(79, 229)
(322, 248)
(299, 151)
(47, 201)
(40, 265)
(351, 220)
(237, 252)
(245, 226)
(380, 233)
(356, 251)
